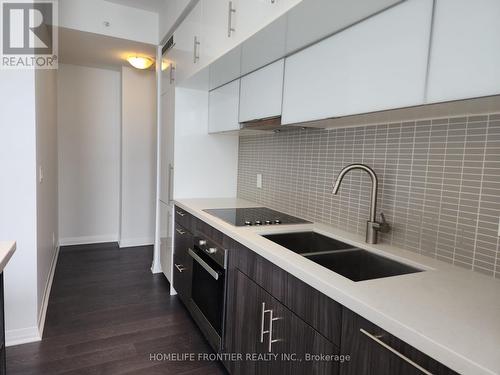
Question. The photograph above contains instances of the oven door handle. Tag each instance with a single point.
(204, 264)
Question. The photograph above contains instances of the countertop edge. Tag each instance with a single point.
(7, 249)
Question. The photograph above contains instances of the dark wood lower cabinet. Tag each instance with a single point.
(265, 302)
(270, 338)
(183, 263)
(374, 351)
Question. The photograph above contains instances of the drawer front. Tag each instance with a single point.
(319, 311)
(374, 351)
(206, 231)
(267, 275)
(182, 270)
(183, 218)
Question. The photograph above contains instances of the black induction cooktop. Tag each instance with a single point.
(254, 216)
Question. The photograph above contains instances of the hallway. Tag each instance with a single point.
(106, 314)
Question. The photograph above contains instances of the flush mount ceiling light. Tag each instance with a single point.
(140, 62)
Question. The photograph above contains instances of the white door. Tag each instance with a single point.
(465, 54)
(261, 93)
(166, 165)
(223, 108)
(167, 129)
(375, 65)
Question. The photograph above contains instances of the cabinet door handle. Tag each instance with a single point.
(170, 187)
(172, 70)
(180, 213)
(204, 264)
(180, 231)
(196, 52)
(394, 351)
(180, 268)
(271, 341)
(262, 318)
(230, 28)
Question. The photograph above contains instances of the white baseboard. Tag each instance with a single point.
(68, 241)
(22, 336)
(133, 242)
(46, 293)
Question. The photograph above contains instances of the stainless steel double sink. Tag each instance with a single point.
(346, 260)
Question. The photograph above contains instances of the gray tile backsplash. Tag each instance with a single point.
(439, 182)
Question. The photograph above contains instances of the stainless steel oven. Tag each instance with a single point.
(208, 293)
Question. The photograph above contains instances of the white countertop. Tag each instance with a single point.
(7, 249)
(448, 313)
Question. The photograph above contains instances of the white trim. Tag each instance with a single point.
(22, 336)
(133, 242)
(88, 240)
(156, 265)
(46, 294)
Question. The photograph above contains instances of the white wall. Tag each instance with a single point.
(18, 201)
(47, 201)
(169, 13)
(89, 109)
(206, 166)
(125, 22)
(138, 157)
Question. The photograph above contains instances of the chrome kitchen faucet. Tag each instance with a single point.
(372, 226)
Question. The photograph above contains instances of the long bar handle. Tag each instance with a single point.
(394, 351)
(196, 52)
(230, 28)
(170, 187)
(172, 70)
(271, 341)
(204, 264)
(262, 318)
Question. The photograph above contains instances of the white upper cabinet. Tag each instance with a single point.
(214, 27)
(217, 37)
(187, 51)
(312, 20)
(223, 108)
(261, 93)
(226, 68)
(266, 46)
(374, 65)
(465, 54)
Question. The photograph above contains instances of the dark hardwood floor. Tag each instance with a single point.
(107, 313)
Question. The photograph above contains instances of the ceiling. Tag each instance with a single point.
(100, 51)
(149, 5)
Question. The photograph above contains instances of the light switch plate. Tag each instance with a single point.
(259, 181)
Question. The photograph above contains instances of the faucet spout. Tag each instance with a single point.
(374, 179)
(372, 227)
